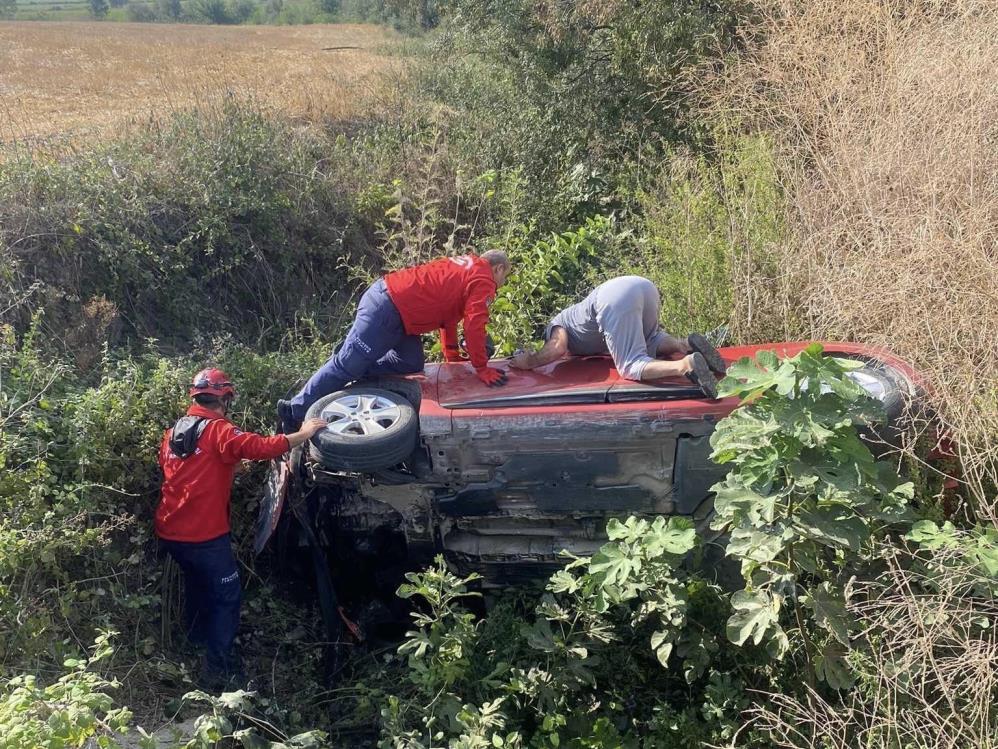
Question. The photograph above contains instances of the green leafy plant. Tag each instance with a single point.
(232, 717)
(803, 502)
(964, 557)
(438, 648)
(72, 711)
(547, 276)
(639, 565)
(565, 677)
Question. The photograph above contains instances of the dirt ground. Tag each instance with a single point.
(84, 79)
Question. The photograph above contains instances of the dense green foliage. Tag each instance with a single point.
(805, 499)
(629, 648)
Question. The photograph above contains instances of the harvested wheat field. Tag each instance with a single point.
(85, 79)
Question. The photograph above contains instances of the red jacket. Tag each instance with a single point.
(194, 503)
(440, 293)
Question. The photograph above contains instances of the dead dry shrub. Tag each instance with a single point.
(885, 118)
(928, 672)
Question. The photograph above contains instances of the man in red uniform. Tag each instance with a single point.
(199, 457)
(396, 310)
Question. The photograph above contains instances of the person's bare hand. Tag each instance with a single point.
(520, 360)
(311, 426)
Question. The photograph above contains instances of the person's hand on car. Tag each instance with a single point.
(491, 377)
(311, 426)
(520, 359)
(307, 431)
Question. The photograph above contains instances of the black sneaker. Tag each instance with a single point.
(705, 348)
(286, 422)
(702, 376)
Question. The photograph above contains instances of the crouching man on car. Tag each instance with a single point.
(199, 457)
(620, 318)
(396, 310)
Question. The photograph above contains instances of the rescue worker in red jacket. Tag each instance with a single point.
(199, 457)
(396, 310)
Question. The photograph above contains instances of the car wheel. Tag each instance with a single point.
(894, 391)
(886, 385)
(370, 429)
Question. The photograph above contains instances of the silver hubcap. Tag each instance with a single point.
(873, 387)
(361, 414)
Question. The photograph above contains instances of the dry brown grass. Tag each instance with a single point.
(930, 674)
(92, 79)
(885, 116)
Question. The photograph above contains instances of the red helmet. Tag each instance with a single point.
(212, 382)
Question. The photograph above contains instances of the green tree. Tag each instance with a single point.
(99, 8)
(211, 11)
(423, 14)
(171, 9)
(8, 8)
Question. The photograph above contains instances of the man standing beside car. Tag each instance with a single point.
(620, 318)
(199, 456)
(393, 313)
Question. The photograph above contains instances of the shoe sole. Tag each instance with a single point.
(703, 377)
(705, 348)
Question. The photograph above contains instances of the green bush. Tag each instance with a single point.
(74, 711)
(803, 503)
(218, 222)
(141, 12)
(575, 96)
(704, 232)
(624, 649)
(546, 277)
(80, 482)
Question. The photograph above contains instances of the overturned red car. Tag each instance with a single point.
(500, 480)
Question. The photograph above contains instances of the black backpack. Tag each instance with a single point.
(186, 433)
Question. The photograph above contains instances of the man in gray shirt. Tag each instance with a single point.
(620, 318)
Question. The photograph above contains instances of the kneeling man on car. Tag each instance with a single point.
(620, 318)
(393, 313)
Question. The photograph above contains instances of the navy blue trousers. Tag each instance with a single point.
(213, 594)
(376, 344)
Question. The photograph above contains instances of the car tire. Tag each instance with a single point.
(357, 439)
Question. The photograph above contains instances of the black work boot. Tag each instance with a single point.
(286, 422)
(705, 348)
(222, 674)
(702, 376)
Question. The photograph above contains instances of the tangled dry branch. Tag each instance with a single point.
(885, 118)
(929, 667)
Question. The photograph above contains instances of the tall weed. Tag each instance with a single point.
(883, 114)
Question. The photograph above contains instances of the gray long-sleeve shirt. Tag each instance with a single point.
(619, 317)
